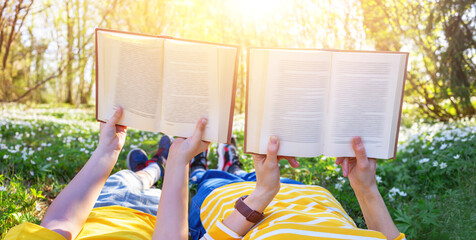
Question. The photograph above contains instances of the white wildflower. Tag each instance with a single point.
(3, 189)
(32, 162)
(390, 196)
(32, 173)
(60, 156)
(338, 186)
(435, 164)
(378, 178)
(394, 191)
(38, 207)
(456, 156)
(5, 156)
(443, 146)
(48, 159)
(431, 196)
(443, 165)
(424, 160)
(404, 160)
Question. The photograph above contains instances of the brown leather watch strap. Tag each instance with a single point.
(250, 214)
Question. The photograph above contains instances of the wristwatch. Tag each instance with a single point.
(250, 214)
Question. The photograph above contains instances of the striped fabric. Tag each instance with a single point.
(297, 212)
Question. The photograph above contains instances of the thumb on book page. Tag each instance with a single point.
(116, 117)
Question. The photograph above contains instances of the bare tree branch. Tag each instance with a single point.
(38, 84)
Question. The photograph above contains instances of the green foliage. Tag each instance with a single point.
(429, 188)
(18, 203)
(440, 36)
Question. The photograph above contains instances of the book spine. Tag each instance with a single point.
(96, 49)
(401, 106)
(247, 96)
(232, 107)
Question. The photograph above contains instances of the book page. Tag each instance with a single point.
(131, 78)
(295, 101)
(226, 77)
(362, 102)
(190, 88)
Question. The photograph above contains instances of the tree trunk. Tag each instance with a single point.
(69, 66)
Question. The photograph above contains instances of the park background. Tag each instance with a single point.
(47, 84)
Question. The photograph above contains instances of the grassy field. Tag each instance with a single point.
(429, 188)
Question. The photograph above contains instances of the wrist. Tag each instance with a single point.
(265, 193)
(259, 200)
(108, 149)
(178, 159)
(367, 193)
(105, 151)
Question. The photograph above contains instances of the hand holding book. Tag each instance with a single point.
(360, 169)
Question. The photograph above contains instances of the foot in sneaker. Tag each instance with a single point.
(160, 157)
(199, 162)
(137, 160)
(228, 160)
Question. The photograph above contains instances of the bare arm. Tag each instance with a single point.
(70, 209)
(376, 213)
(267, 186)
(361, 173)
(172, 214)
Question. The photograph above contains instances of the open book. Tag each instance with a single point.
(315, 101)
(165, 84)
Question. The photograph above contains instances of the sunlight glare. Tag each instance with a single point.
(257, 8)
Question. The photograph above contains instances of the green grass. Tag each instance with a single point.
(429, 188)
